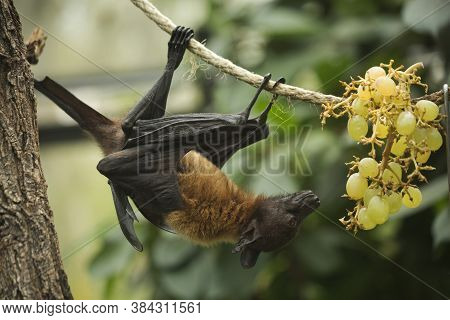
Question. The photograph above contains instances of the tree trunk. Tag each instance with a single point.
(30, 262)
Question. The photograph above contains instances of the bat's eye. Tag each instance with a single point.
(292, 222)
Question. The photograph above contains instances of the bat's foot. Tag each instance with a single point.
(263, 116)
(266, 79)
(246, 113)
(178, 43)
(281, 80)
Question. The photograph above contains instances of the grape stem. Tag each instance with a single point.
(417, 169)
(414, 67)
(373, 138)
(385, 157)
(387, 150)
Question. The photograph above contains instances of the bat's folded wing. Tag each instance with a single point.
(148, 175)
(216, 136)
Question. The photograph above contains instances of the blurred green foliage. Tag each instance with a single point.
(314, 44)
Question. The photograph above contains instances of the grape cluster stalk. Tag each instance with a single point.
(403, 135)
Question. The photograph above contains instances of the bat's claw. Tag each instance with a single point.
(246, 113)
(281, 80)
(178, 43)
(263, 116)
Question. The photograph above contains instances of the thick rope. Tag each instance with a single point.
(240, 73)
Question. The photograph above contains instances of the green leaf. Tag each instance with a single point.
(429, 15)
(230, 280)
(192, 280)
(441, 227)
(114, 255)
(171, 251)
(351, 30)
(320, 251)
(285, 22)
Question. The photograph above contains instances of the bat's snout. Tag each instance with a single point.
(304, 202)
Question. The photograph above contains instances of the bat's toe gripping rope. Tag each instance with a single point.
(263, 117)
(246, 112)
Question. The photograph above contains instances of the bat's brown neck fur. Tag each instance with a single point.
(216, 209)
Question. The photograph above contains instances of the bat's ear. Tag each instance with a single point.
(249, 236)
(249, 257)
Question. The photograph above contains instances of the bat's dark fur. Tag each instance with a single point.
(170, 167)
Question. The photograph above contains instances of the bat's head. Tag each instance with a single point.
(274, 223)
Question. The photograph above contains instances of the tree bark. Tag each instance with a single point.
(30, 262)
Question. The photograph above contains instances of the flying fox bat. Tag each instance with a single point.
(170, 167)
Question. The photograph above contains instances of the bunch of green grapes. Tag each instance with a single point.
(403, 131)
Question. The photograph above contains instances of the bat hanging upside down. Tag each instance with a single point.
(170, 167)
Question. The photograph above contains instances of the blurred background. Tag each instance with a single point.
(109, 54)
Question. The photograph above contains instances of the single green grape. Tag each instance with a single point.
(357, 127)
(422, 157)
(406, 123)
(377, 97)
(385, 86)
(374, 73)
(419, 135)
(364, 221)
(363, 92)
(394, 200)
(360, 107)
(356, 186)
(433, 139)
(370, 193)
(392, 177)
(412, 198)
(378, 210)
(381, 130)
(399, 146)
(368, 167)
(427, 110)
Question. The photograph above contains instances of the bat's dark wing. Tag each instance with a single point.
(216, 136)
(148, 175)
